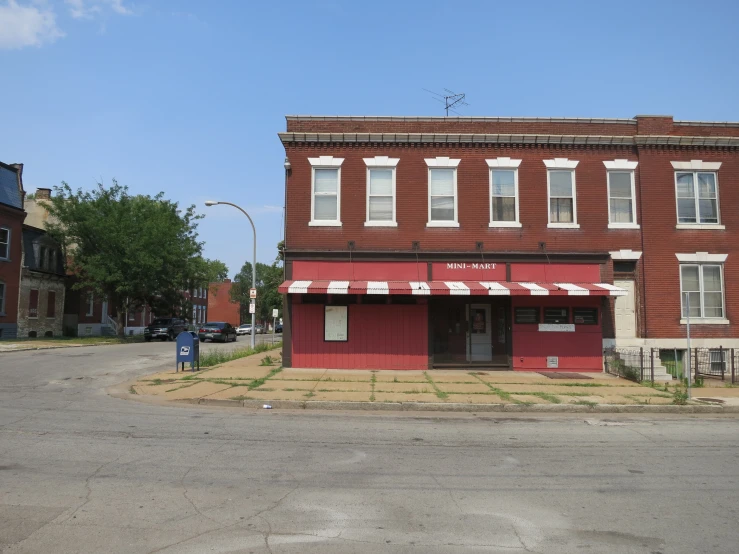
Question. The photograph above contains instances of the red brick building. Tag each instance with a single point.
(220, 305)
(12, 216)
(523, 243)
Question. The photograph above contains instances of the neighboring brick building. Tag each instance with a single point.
(220, 305)
(526, 243)
(41, 304)
(199, 298)
(12, 216)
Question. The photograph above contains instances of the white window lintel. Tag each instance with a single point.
(561, 163)
(326, 161)
(620, 164)
(625, 254)
(503, 163)
(702, 257)
(442, 161)
(696, 165)
(381, 161)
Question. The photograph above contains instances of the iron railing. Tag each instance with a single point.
(635, 364)
(718, 363)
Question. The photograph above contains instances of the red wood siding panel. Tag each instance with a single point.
(555, 273)
(359, 271)
(578, 351)
(380, 337)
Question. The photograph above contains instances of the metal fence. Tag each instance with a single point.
(718, 363)
(635, 364)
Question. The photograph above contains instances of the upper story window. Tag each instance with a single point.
(90, 303)
(702, 287)
(325, 206)
(504, 192)
(562, 193)
(621, 194)
(381, 191)
(4, 243)
(442, 187)
(696, 191)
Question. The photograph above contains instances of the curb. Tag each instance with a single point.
(458, 407)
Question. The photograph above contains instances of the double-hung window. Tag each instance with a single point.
(4, 243)
(442, 187)
(381, 191)
(504, 192)
(621, 194)
(702, 288)
(326, 191)
(696, 191)
(90, 303)
(562, 193)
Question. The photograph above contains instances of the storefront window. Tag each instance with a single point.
(585, 316)
(556, 315)
(527, 315)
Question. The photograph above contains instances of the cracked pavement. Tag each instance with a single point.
(81, 471)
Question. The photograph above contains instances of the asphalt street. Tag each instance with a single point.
(81, 471)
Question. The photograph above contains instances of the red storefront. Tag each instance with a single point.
(421, 315)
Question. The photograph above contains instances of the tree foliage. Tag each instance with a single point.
(269, 278)
(136, 250)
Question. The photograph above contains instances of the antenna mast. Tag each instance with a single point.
(450, 99)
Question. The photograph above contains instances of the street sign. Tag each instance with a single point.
(252, 308)
(252, 293)
(275, 312)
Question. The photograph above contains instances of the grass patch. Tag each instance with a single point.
(309, 394)
(577, 394)
(256, 383)
(544, 396)
(680, 396)
(132, 390)
(587, 403)
(373, 381)
(216, 356)
(131, 339)
(439, 393)
(240, 397)
(267, 360)
(501, 393)
(156, 382)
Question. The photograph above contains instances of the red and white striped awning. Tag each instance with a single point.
(451, 288)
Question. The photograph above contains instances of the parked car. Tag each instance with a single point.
(165, 328)
(217, 330)
(278, 328)
(259, 330)
(244, 329)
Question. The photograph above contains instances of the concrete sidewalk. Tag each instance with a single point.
(252, 381)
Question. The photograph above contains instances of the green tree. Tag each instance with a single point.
(269, 278)
(216, 271)
(133, 249)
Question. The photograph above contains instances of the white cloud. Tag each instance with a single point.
(25, 25)
(88, 9)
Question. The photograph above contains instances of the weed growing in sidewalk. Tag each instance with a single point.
(132, 390)
(500, 392)
(543, 395)
(586, 403)
(439, 393)
(256, 383)
(680, 396)
(267, 360)
(373, 381)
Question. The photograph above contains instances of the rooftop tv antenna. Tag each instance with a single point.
(449, 99)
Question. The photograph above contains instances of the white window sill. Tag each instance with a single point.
(442, 224)
(504, 224)
(701, 226)
(563, 226)
(324, 223)
(624, 226)
(380, 223)
(705, 321)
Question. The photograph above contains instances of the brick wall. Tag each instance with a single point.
(220, 306)
(10, 270)
(42, 324)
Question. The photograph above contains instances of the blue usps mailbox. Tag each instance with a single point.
(188, 350)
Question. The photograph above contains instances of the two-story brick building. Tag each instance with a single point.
(12, 216)
(522, 243)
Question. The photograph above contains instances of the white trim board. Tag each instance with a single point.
(442, 161)
(702, 257)
(620, 164)
(503, 163)
(326, 161)
(698, 165)
(381, 161)
(625, 255)
(561, 163)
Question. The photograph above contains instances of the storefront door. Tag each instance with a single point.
(480, 334)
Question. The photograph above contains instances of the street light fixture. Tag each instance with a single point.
(254, 262)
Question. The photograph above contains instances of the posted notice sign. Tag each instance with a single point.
(275, 312)
(336, 324)
(252, 293)
(252, 308)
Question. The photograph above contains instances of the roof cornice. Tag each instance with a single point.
(468, 138)
(459, 119)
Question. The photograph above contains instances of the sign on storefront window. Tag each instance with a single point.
(336, 324)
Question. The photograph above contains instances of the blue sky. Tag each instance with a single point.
(187, 96)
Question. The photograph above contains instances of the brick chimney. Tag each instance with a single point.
(43, 194)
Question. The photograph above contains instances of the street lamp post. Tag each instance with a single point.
(253, 265)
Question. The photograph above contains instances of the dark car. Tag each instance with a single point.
(278, 328)
(165, 328)
(217, 330)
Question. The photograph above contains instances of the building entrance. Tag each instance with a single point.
(465, 334)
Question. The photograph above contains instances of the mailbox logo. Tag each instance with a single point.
(184, 351)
